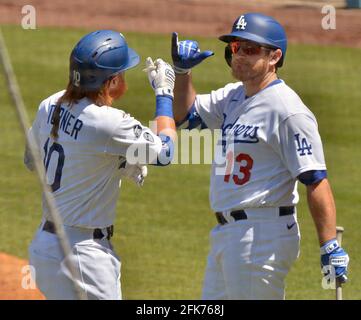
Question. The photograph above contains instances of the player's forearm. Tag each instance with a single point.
(166, 126)
(184, 96)
(322, 207)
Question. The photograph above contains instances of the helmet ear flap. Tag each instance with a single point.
(228, 55)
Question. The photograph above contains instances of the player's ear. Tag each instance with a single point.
(275, 56)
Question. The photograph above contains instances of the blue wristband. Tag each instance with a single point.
(164, 106)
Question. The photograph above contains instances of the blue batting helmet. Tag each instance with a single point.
(261, 29)
(98, 56)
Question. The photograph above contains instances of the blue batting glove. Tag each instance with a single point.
(333, 255)
(186, 54)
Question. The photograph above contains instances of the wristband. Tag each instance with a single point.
(329, 246)
(178, 70)
(164, 106)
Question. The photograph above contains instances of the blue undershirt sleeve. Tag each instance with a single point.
(312, 176)
(191, 121)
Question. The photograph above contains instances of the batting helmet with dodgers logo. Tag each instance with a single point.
(98, 56)
(261, 29)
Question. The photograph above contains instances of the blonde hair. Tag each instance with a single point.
(72, 95)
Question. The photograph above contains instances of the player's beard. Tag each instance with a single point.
(120, 91)
(241, 70)
(245, 71)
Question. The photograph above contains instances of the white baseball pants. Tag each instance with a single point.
(96, 261)
(249, 259)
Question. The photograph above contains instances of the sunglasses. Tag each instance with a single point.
(246, 48)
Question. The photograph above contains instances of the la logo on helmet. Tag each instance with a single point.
(241, 24)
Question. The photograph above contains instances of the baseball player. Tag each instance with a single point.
(88, 147)
(269, 141)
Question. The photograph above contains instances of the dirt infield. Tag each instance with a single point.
(196, 17)
(12, 277)
(188, 17)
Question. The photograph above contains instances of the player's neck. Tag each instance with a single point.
(253, 86)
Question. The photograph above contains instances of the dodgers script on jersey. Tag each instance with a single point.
(84, 177)
(267, 140)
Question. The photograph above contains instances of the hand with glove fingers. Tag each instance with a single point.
(332, 255)
(161, 76)
(134, 172)
(186, 54)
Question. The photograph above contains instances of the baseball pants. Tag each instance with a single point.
(98, 265)
(249, 259)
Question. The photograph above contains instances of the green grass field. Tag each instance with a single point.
(162, 229)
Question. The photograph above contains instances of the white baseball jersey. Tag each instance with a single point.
(82, 165)
(267, 140)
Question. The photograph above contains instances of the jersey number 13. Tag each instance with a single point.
(246, 164)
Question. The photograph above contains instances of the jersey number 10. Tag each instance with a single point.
(55, 147)
(244, 169)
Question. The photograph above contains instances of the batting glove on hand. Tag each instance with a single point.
(186, 54)
(161, 76)
(134, 172)
(332, 255)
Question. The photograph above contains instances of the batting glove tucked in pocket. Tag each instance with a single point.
(134, 172)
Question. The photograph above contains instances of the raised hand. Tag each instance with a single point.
(186, 54)
(161, 76)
